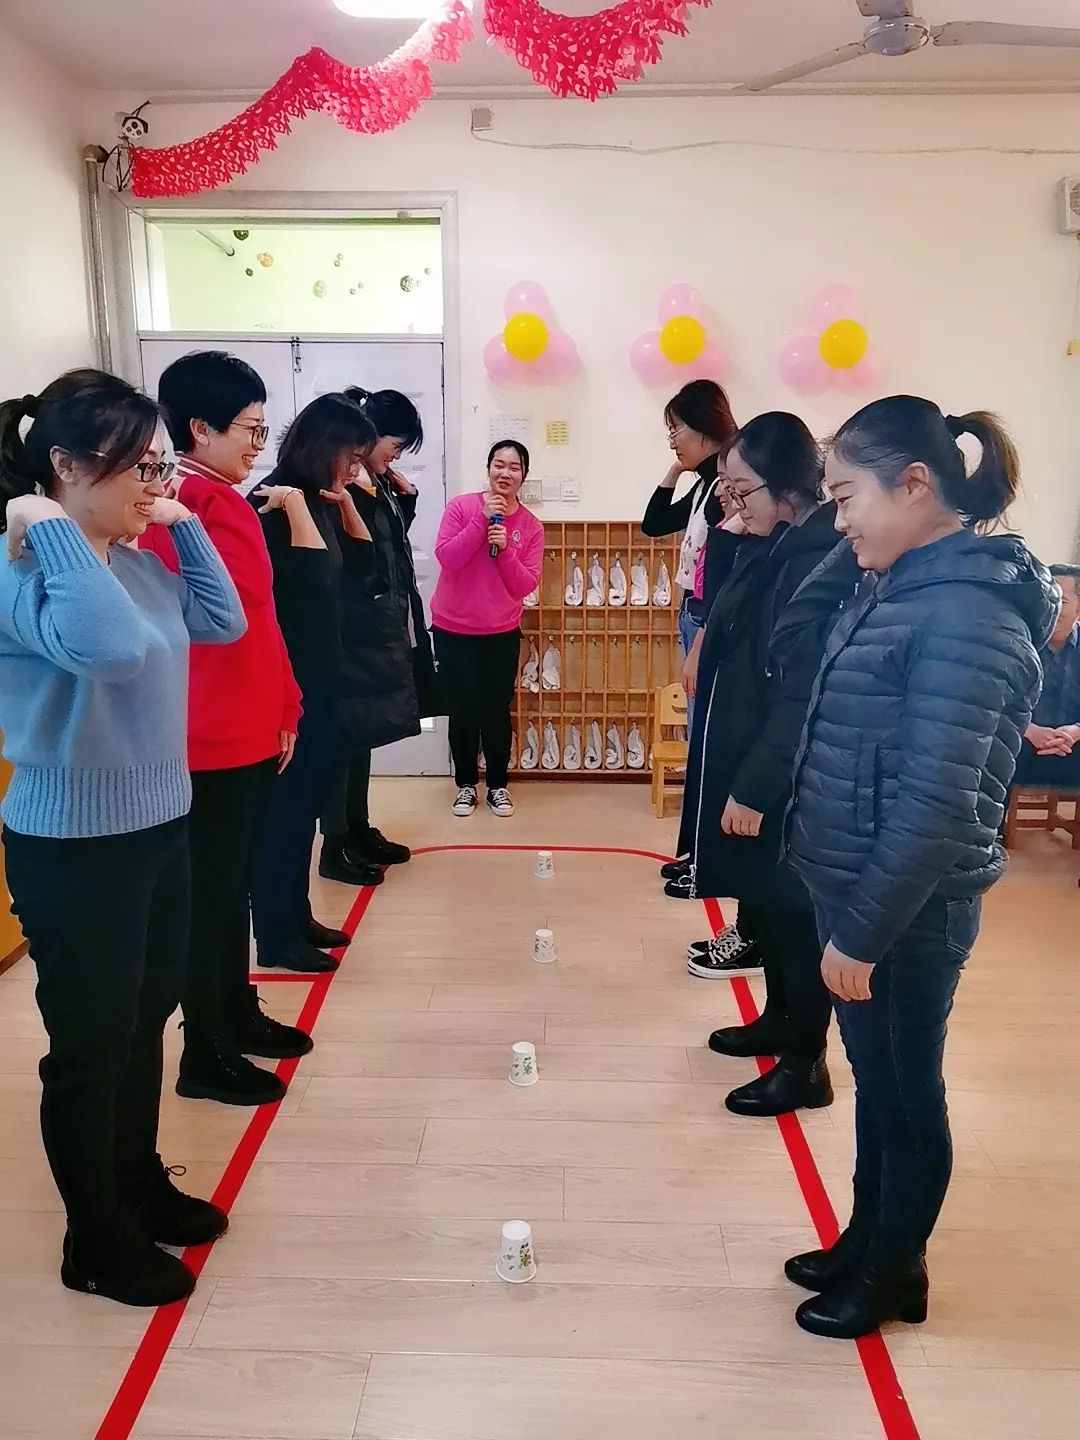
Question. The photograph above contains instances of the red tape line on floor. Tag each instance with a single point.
(896, 1418)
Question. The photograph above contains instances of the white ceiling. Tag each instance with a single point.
(161, 47)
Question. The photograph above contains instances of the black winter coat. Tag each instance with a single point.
(387, 679)
(745, 745)
(915, 721)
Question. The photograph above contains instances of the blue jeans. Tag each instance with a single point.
(895, 1042)
(689, 626)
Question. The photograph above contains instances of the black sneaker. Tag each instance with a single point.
(125, 1266)
(681, 886)
(324, 937)
(169, 1217)
(300, 957)
(724, 955)
(371, 847)
(257, 1033)
(210, 1071)
(674, 868)
(335, 864)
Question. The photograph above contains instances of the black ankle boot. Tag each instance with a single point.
(325, 938)
(167, 1215)
(371, 847)
(819, 1270)
(872, 1295)
(790, 1085)
(256, 1033)
(763, 1036)
(122, 1264)
(674, 868)
(210, 1069)
(300, 957)
(335, 863)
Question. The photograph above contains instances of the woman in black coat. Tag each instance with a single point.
(387, 677)
(915, 722)
(739, 776)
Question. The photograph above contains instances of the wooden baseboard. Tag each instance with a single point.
(9, 960)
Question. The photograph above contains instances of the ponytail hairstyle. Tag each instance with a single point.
(97, 419)
(702, 406)
(778, 447)
(890, 435)
(327, 428)
(392, 414)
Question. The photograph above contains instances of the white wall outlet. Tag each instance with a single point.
(570, 491)
(531, 493)
(551, 488)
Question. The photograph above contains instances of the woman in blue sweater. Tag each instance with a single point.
(915, 720)
(94, 642)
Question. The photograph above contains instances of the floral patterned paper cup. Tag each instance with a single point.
(517, 1263)
(544, 947)
(523, 1069)
(545, 865)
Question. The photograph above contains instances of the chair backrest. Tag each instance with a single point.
(671, 707)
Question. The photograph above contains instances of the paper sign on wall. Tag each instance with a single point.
(508, 427)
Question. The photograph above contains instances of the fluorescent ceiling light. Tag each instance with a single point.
(385, 9)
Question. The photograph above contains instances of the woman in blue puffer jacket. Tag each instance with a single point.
(915, 721)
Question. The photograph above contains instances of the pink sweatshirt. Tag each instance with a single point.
(475, 594)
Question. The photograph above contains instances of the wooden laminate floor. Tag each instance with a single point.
(355, 1297)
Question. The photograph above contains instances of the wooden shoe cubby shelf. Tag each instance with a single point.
(612, 658)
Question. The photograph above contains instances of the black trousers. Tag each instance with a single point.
(107, 922)
(346, 808)
(1051, 770)
(279, 891)
(791, 958)
(228, 810)
(478, 674)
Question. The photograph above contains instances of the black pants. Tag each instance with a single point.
(896, 1042)
(279, 892)
(478, 674)
(796, 996)
(346, 809)
(1062, 771)
(107, 922)
(228, 810)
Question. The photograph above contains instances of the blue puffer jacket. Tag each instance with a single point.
(915, 721)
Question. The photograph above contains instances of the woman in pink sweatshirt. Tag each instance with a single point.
(491, 550)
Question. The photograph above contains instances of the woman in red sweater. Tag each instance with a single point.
(244, 710)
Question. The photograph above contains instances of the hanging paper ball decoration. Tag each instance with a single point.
(530, 347)
(319, 289)
(843, 344)
(836, 353)
(680, 350)
(525, 336)
(265, 259)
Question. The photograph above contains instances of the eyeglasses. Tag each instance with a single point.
(259, 433)
(674, 431)
(739, 498)
(148, 470)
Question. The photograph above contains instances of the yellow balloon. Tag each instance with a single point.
(525, 336)
(843, 344)
(682, 339)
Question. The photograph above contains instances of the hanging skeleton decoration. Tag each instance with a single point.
(116, 167)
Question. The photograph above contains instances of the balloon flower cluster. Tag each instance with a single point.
(680, 350)
(530, 349)
(836, 352)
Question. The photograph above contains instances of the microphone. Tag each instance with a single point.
(493, 550)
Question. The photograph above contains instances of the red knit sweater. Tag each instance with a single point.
(240, 696)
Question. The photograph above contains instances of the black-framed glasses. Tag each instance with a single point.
(739, 498)
(147, 470)
(259, 433)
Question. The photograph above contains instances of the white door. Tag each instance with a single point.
(415, 367)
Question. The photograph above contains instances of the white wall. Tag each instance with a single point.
(44, 323)
(968, 290)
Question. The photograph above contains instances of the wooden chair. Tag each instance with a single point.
(1035, 808)
(668, 751)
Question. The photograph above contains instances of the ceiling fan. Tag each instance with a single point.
(895, 29)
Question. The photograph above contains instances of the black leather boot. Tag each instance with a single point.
(256, 1033)
(323, 937)
(763, 1036)
(300, 957)
(674, 868)
(167, 1215)
(371, 847)
(819, 1270)
(790, 1085)
(211, 1069)
(872, 1295)
(120, 1263)
(336, 863)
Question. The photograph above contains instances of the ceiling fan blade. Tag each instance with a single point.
(807, 67)
(984, 32)
(886, 9)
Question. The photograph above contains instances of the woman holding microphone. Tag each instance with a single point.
(491, 550)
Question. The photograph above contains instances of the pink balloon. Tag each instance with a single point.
(679, 300)
(529, 297)
(649, 362)
(711, 364)
(559, 362)
(835, 302)
(802, 367)
(867, 375)
(501, 366)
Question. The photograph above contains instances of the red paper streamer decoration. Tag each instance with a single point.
(371, 99)
(585, 55)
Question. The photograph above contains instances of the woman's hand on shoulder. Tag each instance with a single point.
(350, 516)
(168, 511)
(27, 510)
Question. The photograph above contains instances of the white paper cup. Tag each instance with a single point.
(516, 1264)
(523, 1068)
(544, 947)
(545, 865)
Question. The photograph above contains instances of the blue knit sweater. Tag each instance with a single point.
(93, 678)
